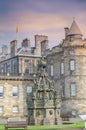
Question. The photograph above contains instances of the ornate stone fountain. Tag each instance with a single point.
(43, 105)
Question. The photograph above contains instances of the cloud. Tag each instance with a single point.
(34, 22)
(47, 17)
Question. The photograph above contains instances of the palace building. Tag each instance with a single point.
(66, 67)
(17, 70)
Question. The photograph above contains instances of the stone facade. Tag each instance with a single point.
(65, 66)
(68, 61)
(13, 103)
(17, 70)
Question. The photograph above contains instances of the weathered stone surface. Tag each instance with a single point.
(76, 44)
(43, 102)
(8, 101)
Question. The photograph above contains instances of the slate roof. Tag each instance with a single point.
(74, 29)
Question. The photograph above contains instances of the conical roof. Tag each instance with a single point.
(74, 29)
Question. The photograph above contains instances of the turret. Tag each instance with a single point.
(74, 30)
(73, 35)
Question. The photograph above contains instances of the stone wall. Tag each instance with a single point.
(8, 100)
(78, 76)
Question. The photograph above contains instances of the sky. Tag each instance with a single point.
(43, 17)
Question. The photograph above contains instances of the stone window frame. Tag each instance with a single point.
(1, 91)
(28, 89)
(27, 72)
(1, 110)
(15, 66)
(62, 90)
(27, 61)
(62, 68)
(8, 68)
(74, 112)
(72, 65)
(15, 91)
(51, 112)
(51, 70)
(2, 69)
(38, 113)
(15, 109)
(73, 89)
(72, 52)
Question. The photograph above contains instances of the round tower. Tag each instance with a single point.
(74, 77)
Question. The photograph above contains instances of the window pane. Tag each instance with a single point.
(73, 89)
(8, 68)
(27, 61)
(15, 67)
(15, 91)
(15, 109)
(1, 109)
(52, 70)
(29, 89)
(72, 52)
(73, 112)
(62, 68)
(72, 65)
(63, 90)
(27, 70)
(1, 91)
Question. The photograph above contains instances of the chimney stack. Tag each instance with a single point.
(66, 31)
(26, 43)
(13, 47)
(4, 50)
(41, 43)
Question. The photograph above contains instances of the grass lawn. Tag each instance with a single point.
(56, 127)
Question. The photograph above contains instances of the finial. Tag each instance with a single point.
(17, 31)
(17, 28)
